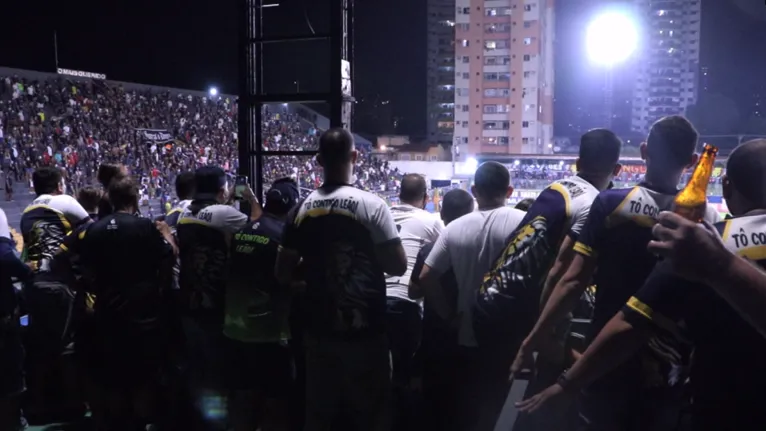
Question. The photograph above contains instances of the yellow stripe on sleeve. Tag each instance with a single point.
(658, 319)
(583, 249)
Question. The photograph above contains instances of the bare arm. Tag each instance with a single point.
(559, 268)
(617, 342)
(743, 286)
(391, 257)
(563, 299)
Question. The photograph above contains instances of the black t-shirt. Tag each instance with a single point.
(122, 257)
(728, 374)
(257, 306)
(437, 333)
(335, 230)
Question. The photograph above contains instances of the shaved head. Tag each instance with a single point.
(746, 169)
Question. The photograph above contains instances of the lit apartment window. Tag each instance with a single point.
(464, 42)
(496, 92)
(495, 44)
(496, 28)
(496, 125)
(497, 11)
(527, 41)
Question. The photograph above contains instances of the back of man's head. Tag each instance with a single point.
(413, 188)
(492, 180)
(282, 196)
(123, 194)
(599, 152)
(671, 142)
(746, 169)
(46, 180)
(208, 182)
(455, 204)
(336, 147)
(109, 171)
(185, 185)
(89, 197)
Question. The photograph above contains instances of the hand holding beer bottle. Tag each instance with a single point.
(691, 202)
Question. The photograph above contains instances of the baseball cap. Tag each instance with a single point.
(208, 181)
(282, 196)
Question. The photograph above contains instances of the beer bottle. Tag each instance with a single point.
(690, 202)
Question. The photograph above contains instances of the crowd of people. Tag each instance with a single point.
(332, 310)
(78, 124)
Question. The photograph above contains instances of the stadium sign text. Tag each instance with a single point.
(156, 136)
(81, 74)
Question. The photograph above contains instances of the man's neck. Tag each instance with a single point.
(413, 204)
(492, 205)
(669, 182)
(598, 183)
(336, 179)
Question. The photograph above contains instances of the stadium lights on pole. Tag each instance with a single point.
(471, 165)
(213, 91)
(611, 38)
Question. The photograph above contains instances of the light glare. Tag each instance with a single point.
(611, 38)
(213, 91)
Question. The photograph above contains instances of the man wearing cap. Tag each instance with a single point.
(256, 325)
(205, 231)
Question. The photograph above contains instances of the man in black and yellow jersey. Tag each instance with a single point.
(728, 379)
(611, 253)
(204, 232)
(257, 319)
(45, 223)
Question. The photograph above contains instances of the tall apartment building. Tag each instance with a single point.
(668, 66)
(504, 76)
(441, 70)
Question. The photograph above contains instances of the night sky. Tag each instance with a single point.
(193, 44)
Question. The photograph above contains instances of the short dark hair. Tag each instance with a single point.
(413, 188)
(599, 151)
(89, 197)
(524, 204)
(492, 180)
(282, 196)
(455, 204)
(208, 181)
(335, 146)
(46, 180)
(123, 193)
(672, 141)
(746, 169)
(185, 185)
(109, 171)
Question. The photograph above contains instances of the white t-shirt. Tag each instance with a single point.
(416, 227)
(470, 245)
(5, 230)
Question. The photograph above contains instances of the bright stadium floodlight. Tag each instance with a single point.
(471, 164)
(611, 38)
(213, 91)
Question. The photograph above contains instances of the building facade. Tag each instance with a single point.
(504, 76)
(668, 71)
(441, 70)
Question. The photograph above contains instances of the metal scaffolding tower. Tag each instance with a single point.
(253, 95)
